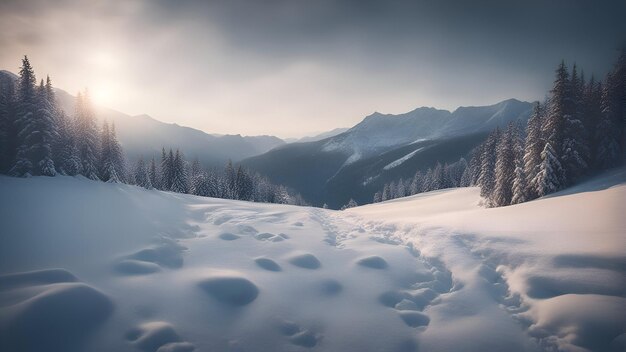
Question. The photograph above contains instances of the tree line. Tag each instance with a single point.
(438, 177)
(37, 138)
(579, 130)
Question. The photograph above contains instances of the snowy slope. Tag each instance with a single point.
(87, 266)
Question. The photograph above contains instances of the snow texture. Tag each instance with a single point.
(113, 267)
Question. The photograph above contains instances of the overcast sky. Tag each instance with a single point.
(295, 67)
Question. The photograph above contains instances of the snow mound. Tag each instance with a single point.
(267, 264)
(136, 267)
(48, 310)
(38, 277)
(157, 336)
(266, 236)
(227, 236)
(168, 254)
(305, 260)
(373, 262)
(230, 290)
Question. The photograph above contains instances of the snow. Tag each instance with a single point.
(139, 270)
(399, 162)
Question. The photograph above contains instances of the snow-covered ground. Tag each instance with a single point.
(88, 266)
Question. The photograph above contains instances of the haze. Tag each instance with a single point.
(292, 68)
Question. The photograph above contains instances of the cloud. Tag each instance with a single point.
(291, 66)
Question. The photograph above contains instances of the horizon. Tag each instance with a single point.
(310, 134)
(297, 68)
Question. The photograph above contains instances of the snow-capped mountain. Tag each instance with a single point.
(144, 135)
(383, 147)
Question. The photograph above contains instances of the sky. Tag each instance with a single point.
(297, 67)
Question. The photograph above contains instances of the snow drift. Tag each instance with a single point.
(87, 266)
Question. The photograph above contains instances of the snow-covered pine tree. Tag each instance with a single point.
(487, 178)
(351, 204)
(575, 141)
(86, 135)
(386, 193)
(153, 175)
(166, 169)
(475, 164)
(520, 186)
(466, 177)
(592, 107)
(243, 184)
(428, 180)
(607, 134)
(400, 189)
(416, 183)
(44, 135)
(550, 173)
(559, 112)
(378, 196)
(393, 190)
(505, 170)
(8, 131)
(230, 181)
(141, 176)
(68, 157)
(533, 148)
(179, 174)
(110, 164)
(117, 154)
(26, 105)
(437, 180)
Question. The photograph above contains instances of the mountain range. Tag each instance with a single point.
(143, 135)
(331, 167)
(381, 148)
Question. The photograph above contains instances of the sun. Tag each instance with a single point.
(102, 94)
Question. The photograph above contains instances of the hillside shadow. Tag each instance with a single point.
(594, 183)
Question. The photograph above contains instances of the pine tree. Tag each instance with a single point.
(560, 110)
(351, 204)
(166, 169)
(378, 196)
(45, 133)
(607, 135)
(243, 185)
(533, 148)
(575, 139)
(86, 134)
(141, 176)
(26, 105)
(111, 163)
(505, 170)
(416, 183)
(549, 178)
(520, 185)
(230, 181)
(487, 177)
(8, 127)
(592, 115)
(386, 193)
(153, 175)
(179, 174)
